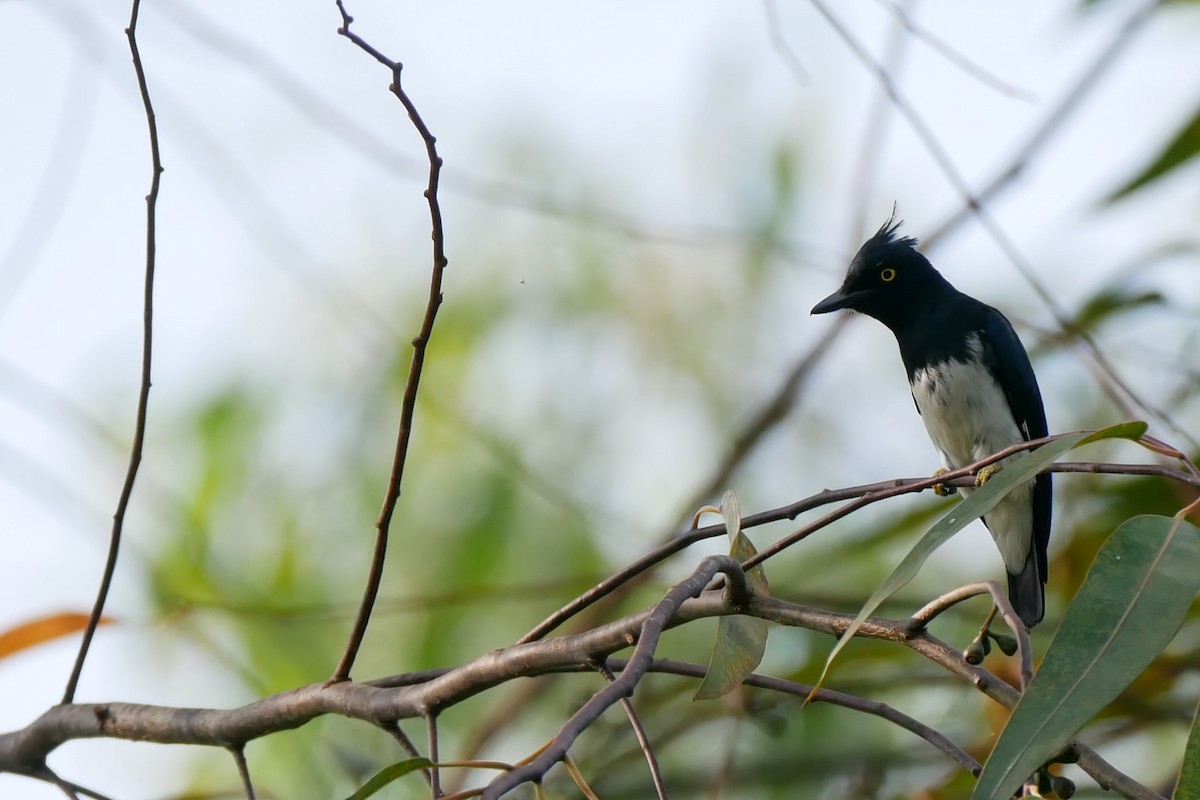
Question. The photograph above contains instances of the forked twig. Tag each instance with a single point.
(647, 641)
(1000, 601)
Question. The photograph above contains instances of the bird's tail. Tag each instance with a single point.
(1027, 592)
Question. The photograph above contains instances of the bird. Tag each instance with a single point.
(973, 385)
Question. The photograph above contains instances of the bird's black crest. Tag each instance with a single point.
(885, 246)
(886, 235)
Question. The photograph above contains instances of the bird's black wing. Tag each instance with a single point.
(1006, 359)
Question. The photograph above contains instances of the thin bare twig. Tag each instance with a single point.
(419, 344)
(660, 786)
(780, 45)
(406, 744)
(74, 790)
(830, 696)
(239, 757)
(431, 735)
(947, 51)
(139, 432)
(1054, 120)
(402, 738)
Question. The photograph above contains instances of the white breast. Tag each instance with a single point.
(964, 410)
(968, 418)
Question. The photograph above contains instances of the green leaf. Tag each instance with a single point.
(1132, 430)
(1129, 608)
(1183, 148)
(1109, 302)
(1018, 470)
(1188, 785)
(389, 774)
(741, 641)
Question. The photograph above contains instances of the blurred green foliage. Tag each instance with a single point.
(582, 381)
(1176, 153)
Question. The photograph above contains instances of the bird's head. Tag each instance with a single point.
(888, 279)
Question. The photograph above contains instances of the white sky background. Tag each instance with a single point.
(257, 192)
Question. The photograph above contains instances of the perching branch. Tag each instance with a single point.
(862, 495)
(425, 694)
(139, 428)
(418, 694)
(419, 343)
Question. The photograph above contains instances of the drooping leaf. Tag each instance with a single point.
(389, 774)
(1181, 149)
(1018, 470)
(741, 640)
(1188, 785)
(43, 629)
(1129, 608)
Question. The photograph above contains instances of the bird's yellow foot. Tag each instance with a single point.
(985, 474)
(943, 489)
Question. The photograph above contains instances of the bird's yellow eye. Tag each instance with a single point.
(887, 274)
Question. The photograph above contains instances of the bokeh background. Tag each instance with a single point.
(642, 202)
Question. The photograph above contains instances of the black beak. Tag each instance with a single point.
(835, 302)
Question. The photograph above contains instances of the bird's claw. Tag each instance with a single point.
(985, 474)
(943, 489)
